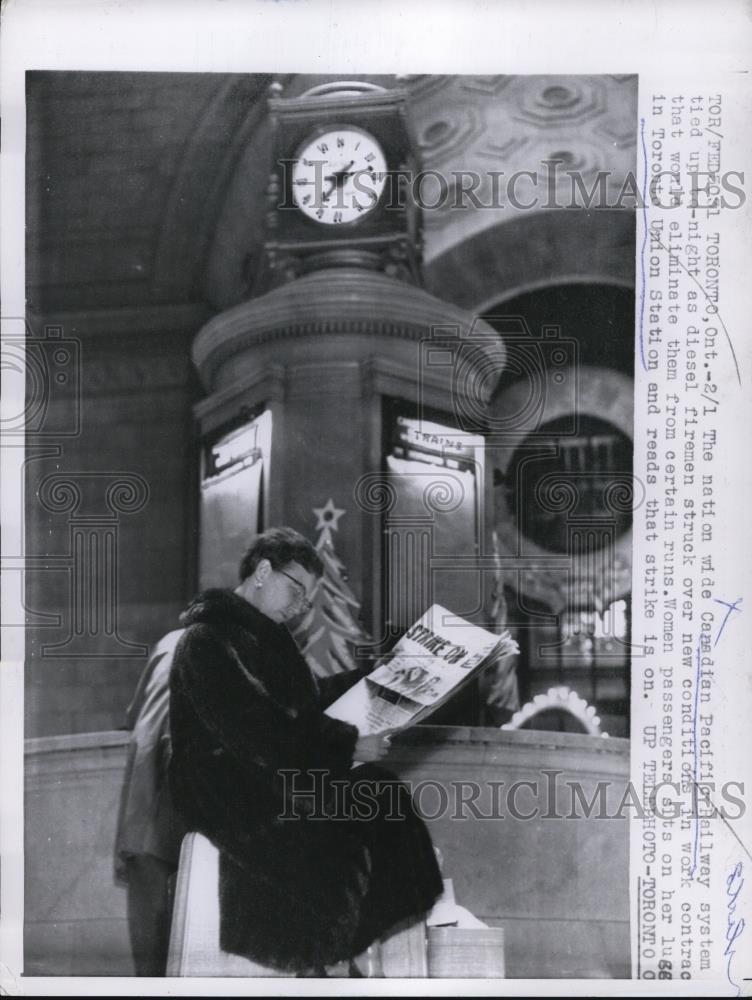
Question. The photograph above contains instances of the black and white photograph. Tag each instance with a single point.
(438, 398)
(328, 502)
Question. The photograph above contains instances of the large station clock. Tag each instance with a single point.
(339, 185)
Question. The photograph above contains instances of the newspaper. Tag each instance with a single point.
(690, 879)
(432, 661)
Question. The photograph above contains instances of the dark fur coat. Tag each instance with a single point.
(297, 892)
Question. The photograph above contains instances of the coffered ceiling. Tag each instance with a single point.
(147, 189)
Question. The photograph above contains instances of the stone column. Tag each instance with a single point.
(322, 351)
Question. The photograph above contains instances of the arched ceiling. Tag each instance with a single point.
(126, 173)
(148, 189)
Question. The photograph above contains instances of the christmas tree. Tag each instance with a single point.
(331, 632)
(502, 698)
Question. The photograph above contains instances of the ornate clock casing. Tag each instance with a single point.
(338, 191)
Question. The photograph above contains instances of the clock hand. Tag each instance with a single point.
(342, 172)
(337, 179)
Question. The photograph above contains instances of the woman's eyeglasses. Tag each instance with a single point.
(300, 591)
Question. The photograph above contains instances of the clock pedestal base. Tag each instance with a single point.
(323, 354)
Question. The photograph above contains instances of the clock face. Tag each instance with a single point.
(338, 176)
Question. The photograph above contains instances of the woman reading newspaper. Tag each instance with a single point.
(317, 859)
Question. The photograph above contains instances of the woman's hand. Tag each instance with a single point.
(373, 747)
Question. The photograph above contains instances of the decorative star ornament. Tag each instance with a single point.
(328, 516)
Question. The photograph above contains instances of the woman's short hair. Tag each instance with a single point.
(281, 546)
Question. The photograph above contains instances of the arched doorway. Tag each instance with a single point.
(559, 450)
